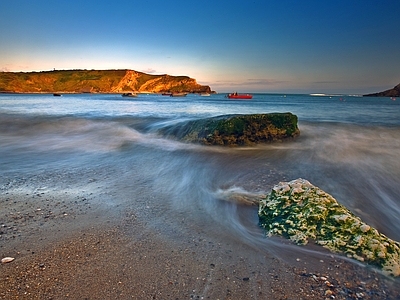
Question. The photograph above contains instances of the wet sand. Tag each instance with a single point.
(70, 241)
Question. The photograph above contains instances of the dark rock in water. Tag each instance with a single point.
(237, 130)
(394, 92)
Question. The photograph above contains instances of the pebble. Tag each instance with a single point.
(7, 260)
(323, 278)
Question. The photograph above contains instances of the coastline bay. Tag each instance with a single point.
(89, 186)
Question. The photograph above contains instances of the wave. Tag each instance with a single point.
(49, 134)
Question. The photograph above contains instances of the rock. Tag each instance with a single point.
(236, 130)
(394, 92)
(301, 212)
(7, 260)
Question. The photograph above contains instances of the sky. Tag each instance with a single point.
(283, 46)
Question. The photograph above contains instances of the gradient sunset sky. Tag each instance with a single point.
(249, 46)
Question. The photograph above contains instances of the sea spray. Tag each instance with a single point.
(300, 211)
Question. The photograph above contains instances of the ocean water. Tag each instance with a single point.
(349, 146)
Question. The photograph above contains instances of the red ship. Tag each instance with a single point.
(235, 95)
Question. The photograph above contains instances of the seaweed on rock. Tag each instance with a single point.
(236, 130)
(300, 211)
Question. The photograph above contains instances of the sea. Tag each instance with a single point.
(349, 146)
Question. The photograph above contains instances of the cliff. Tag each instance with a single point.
(394, 92)
(96, 81)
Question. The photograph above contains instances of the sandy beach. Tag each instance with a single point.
(68, 244)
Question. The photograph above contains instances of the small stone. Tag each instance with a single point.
(315, 277)
(7, 260)
(364, 228)
(359, 295)
(329, 284)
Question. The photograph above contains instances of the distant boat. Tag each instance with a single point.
(235, 95)
(205, 94)
(178, 94)
(129, 95)
(166, 94)
(57, 95)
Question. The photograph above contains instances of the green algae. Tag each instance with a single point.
(237, 130)
(301, 212)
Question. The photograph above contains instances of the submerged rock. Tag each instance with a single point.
(300, 211)
(237, 130)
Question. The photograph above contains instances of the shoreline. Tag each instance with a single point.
(108, 264)
(86, 249)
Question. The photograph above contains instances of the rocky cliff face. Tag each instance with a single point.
(96, 81)
(394, 92)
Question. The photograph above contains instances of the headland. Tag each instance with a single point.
(97, 81)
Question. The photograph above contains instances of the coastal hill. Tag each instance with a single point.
(394, 92)
(96, 81)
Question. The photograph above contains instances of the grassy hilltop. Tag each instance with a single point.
(96, 81)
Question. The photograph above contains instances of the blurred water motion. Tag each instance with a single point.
(353, 160)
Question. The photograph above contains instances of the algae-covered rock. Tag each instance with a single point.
(300, 211)
(237, 130)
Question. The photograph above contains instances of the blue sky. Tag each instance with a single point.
(250, 46)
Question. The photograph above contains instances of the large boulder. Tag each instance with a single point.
(301, 212)
(236, 130)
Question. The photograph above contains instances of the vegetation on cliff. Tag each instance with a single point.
(237, 130)
(394, 92)
(96, 81)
